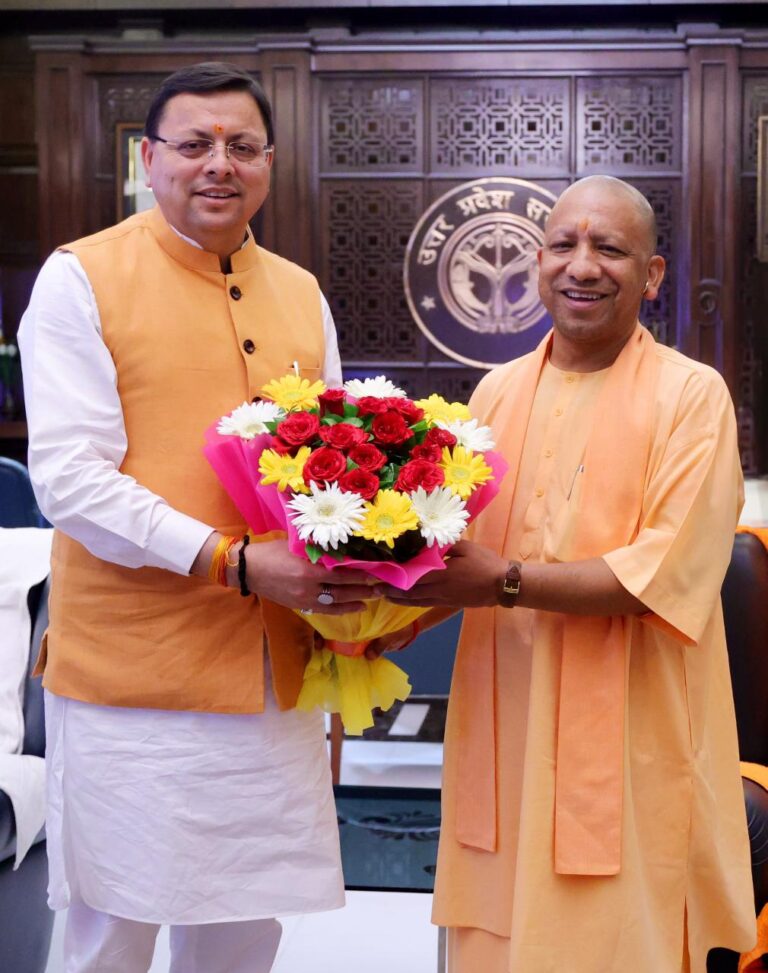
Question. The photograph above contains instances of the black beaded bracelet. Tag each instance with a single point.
(241, 566)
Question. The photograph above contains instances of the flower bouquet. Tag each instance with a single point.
(360, 477)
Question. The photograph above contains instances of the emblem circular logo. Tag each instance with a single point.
(471, 275)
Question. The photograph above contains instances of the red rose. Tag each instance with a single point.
(280, 447)
(370, 405)
(299, 428)
(332, 402)
(407, 409)
(360, 481)
(440, 437)
(368, 457)
(419, 473)
(343, 435)
(325, 465)
(428, 451)
(390, 429)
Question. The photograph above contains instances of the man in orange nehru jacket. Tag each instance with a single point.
(184, 789)
(593, 817)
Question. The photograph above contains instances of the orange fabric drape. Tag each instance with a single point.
(589, 773)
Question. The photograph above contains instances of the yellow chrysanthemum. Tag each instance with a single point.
(292, 392)
(390, 515)
(436, 408)
(464, 471)
(285, 471)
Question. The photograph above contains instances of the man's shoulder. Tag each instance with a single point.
(679, 370)
(280, 264)
(133, 224)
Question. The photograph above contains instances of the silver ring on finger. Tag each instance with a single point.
(306, 611)
(326, 595)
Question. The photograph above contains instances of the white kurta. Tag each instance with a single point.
(159, 816)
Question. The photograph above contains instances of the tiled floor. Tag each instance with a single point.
(377, 932)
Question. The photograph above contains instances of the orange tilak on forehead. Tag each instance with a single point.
(218, 129)
(584, 225)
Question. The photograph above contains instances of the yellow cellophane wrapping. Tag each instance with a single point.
(353, 685)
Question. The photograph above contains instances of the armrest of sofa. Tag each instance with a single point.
(756, 802)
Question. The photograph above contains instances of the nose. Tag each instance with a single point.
(218, 162)
(583, 264)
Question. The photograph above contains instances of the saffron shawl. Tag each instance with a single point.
(589, 772)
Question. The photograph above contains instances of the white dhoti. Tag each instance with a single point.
(185, 818)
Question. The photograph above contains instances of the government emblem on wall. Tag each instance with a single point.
(471, 274)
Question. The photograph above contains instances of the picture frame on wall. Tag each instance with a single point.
(133, 195)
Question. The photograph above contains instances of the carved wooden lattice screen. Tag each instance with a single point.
(390, 145)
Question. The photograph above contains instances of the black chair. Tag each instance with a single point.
(18, 507)
(26, 922)
(745, 607)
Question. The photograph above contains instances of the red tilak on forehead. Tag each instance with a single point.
(218, 129)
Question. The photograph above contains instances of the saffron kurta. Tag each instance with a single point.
(684, 849)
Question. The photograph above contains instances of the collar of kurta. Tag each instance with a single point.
(590, 728)
(194, 257)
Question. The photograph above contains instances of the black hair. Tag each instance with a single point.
(203, 78)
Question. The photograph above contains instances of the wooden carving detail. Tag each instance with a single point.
(366, 226)
(371, 124)
(507, 126)
(755, 104)
(631, 123)
(659, 316)
(121, 101)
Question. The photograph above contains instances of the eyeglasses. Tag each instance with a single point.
(249, 155)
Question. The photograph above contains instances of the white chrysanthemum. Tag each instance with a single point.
(442, 515)
(378, 388)
(249, 419)
(469, 435)
(327, 517)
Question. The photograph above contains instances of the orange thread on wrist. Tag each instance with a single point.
(217, 570)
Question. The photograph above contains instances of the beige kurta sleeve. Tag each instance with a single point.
(693, 497)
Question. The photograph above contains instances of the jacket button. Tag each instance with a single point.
(248, 346)
(235, 293)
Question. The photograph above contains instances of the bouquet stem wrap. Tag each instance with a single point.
(339, 679)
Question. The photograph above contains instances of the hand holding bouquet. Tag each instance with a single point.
(363, 478)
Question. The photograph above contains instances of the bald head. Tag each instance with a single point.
(608, 187)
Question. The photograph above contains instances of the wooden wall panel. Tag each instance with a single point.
(392, 121)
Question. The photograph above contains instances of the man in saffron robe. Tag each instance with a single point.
(184, 788)
(593, 818)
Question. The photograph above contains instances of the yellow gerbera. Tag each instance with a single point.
(390, 515)
(436, 408)
(464, 471)
(292, 392)
(285, 471)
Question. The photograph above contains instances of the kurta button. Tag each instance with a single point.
(558, 412)
(539, 492)
(547, 453)
(235, 293)
(248, 346)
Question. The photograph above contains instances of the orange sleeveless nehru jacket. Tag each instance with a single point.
(189, 344)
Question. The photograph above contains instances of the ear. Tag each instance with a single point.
(655, 274)
(147, 154)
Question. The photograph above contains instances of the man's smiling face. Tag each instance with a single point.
(211, 199)
(595, 264)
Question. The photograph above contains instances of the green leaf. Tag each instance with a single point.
(349, 410)
(314, 553)
(331, 420)
(420, 426)
(355, 421)
(351, 465)
(387, 476)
